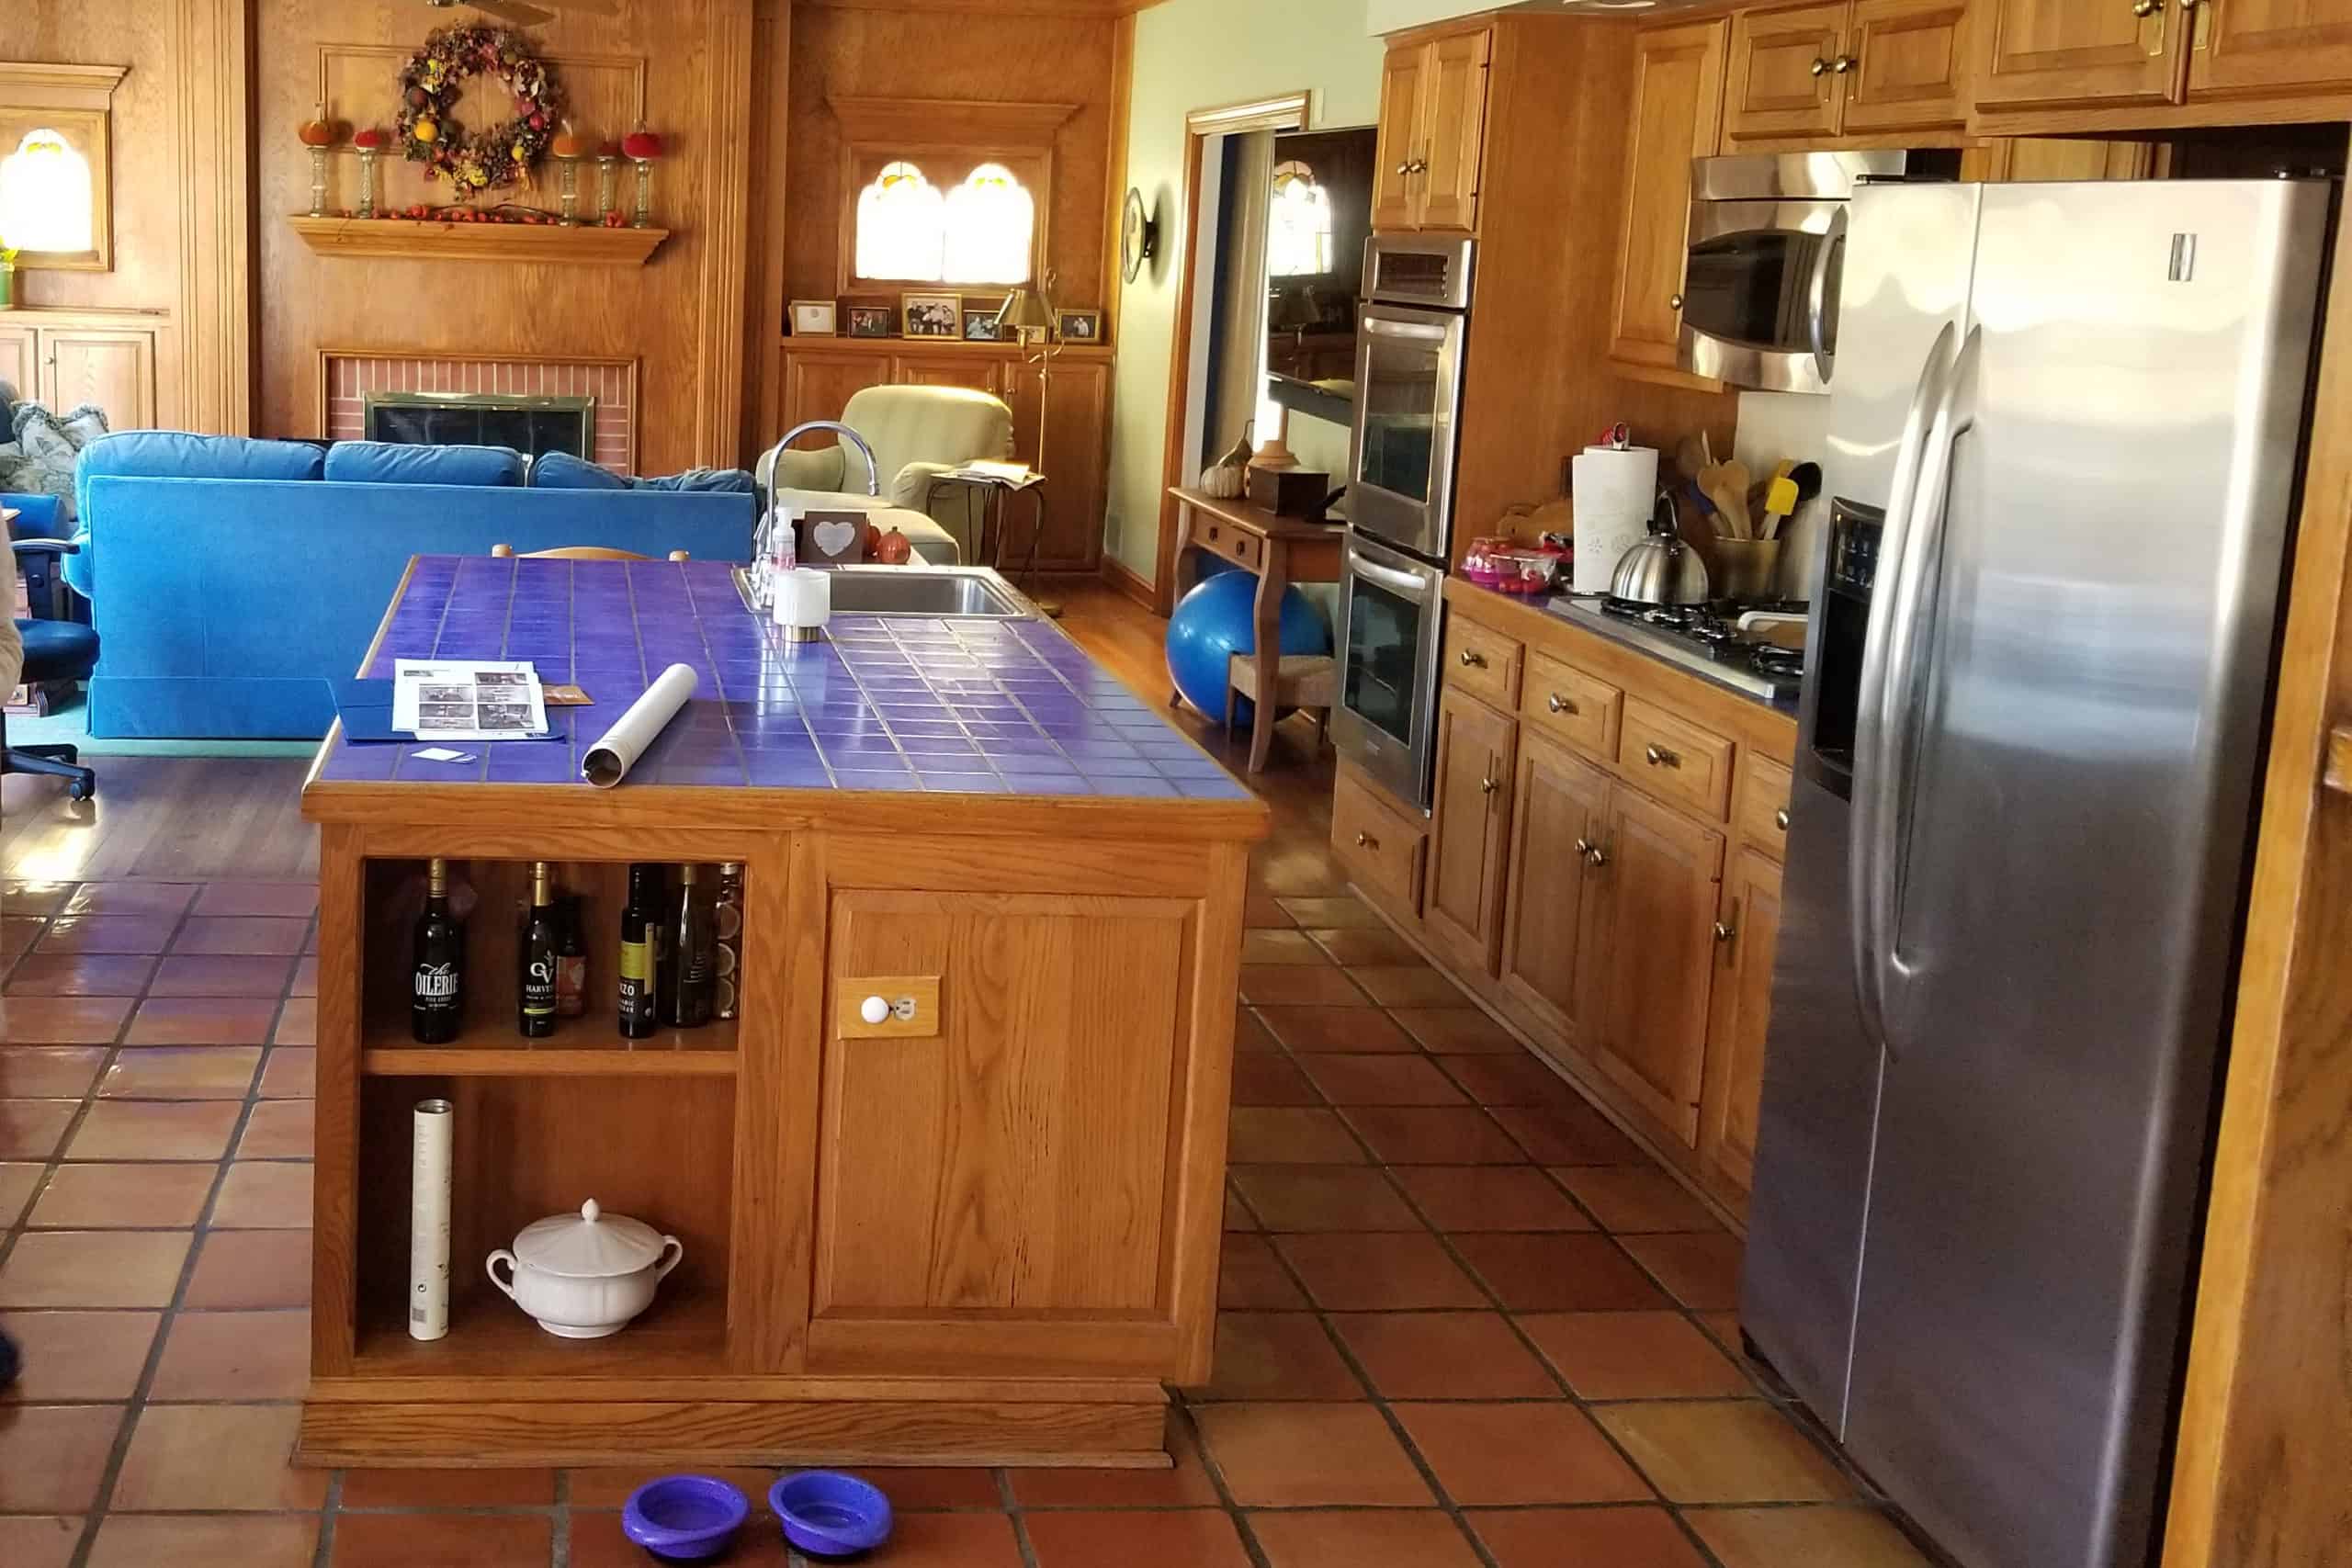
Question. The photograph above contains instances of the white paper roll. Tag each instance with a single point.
(609, 761)
(428, 1219)
(1614, 492)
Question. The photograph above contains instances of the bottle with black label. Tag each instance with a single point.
(536, 959)
(686, 1002)
(571, 959)
(438, 983)
(727, 941)
(640, 1015)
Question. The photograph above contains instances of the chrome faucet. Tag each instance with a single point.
(763, 476)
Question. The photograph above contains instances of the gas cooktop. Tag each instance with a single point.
(1703, 639)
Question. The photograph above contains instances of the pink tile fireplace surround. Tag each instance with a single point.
(347, 376)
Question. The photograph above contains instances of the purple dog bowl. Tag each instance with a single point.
(827, 1514)
(684, 1519)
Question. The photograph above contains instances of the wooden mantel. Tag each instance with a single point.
(386, 239)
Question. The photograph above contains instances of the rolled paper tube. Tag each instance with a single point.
(429, 1220)
(609, 761)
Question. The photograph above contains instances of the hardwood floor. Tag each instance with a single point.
(185, 818)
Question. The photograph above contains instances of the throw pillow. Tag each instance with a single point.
(716, 482)
(51, 443)
(561, 470)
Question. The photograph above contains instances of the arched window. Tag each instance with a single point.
(45, 196)
(1298, 238)
(901, 222)
(989, 220)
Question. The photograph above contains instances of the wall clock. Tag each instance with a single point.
(1138, 236)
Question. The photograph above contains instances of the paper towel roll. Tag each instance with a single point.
(1614, 489)
(428, 1222)
(609, 761)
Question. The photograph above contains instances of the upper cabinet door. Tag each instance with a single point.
(2079, 52)
(1454, 131)
(2262, 46)
(1910, 65)
(1786, 72)
(1400, 133)
(1677, 113)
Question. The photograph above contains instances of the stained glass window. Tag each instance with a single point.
(45, 197)
(1298, 238)
(901, 226)
(980, 232)
(989, 220)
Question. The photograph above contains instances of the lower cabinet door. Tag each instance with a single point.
(996, 1186)
(113, 369)
(1463, 906)
(1749, 932)
(1663, 873)
(1555, 923)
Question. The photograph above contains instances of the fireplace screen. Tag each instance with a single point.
(530, 425)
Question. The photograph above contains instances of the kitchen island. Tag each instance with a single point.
(982, 1231)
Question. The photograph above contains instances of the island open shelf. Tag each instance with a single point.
(982, 1231)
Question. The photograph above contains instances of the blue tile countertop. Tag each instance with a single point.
(897, 703)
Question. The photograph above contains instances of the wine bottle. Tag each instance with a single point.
(686, 1004)
(641, 945)
(436, 996)
(571, 959)
(727, 941)
(536, 960)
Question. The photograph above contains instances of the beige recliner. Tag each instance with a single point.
(917, 434)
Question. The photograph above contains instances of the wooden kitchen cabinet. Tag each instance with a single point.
(949, 370)
(1803, 76)
(64, 359)
(1432, 132)
(18, 357)
(2263, 46)
(1555, 922)
(1663, 871)
(1676, 114)
(1748, 934)
(1470, 830)
(2077, 51)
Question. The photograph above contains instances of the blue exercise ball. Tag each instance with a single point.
(1216, 621)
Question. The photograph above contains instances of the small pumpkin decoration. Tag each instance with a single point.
(642, 145)
(1225, 479)
(372, 140)
(895, 549)
(569, 143)
(318, 131)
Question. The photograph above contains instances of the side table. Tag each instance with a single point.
(999, 482)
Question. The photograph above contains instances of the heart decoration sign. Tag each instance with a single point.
(833, 538)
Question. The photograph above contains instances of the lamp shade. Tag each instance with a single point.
(1025, 310)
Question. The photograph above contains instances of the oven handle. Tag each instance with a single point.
(1388, 577)
(1816, 318)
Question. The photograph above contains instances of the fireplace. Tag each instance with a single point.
(531, 425)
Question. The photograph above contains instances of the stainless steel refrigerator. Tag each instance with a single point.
(2066, 428)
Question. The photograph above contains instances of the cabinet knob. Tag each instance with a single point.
(1820, 66)
(1844, 64)
(1421, 167)
(1780, 820)
(2146, 7)
(1675, 303)
(1366, 842)
(1473, 659)
(1724, 933)
(1594, 855)
(1563, 704)
(1659, 756)
(1490, 784)
(1404, 169)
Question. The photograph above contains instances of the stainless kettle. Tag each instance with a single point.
(1661, 569)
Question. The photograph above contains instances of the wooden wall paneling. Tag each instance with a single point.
(726, 256)
(213, 150)
(763, 316)
(2265, 1423)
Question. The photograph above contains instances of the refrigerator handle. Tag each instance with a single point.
(1901, 698)
(1870, 800)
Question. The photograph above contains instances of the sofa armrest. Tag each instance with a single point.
(44, 548)
(800, 469)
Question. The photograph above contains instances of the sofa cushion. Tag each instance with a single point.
(711, 481)
(397, 463)
(173, 454)
(561, 470)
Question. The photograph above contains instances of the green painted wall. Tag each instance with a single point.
(1193, 54)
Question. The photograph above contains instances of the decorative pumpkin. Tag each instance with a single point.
(568, 143)
(318, 131)
(1228, 476)
(895, 549)
(372, 140)
(642, 146)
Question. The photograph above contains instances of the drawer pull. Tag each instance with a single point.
(1780, 820)
(1594, 855)
(1659, 756)
(1473, 659)
(1563, 704)
(1366, 842)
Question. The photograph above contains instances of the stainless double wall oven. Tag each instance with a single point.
(1408, 408)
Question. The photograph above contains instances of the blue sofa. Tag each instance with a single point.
(231, 581)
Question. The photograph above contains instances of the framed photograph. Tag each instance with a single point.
(979, 321)
(812, 317)
(931, 315)
(871, 321)
(1079, 326)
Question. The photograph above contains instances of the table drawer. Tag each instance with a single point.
(1381, 847)
(1240, 547)
(1675, 759)
(1571, 705)
(1762, 809)
(1481, 663)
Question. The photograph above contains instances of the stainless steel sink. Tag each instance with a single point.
(962, 591)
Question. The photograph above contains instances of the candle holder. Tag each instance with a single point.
(608, 166)
(642, 147)
(566, 184)
(369, 144)
(318, 133)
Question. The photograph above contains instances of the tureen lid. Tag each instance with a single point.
(591, 1245)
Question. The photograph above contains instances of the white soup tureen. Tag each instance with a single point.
(586, 1275)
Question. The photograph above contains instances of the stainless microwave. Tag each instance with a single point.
(1767, 242)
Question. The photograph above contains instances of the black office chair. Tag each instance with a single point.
(54, 650)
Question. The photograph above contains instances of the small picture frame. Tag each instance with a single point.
(979, 323)
(871, 321)
(832, 538)
(931, 315)
(812, 317)
(1079, 326)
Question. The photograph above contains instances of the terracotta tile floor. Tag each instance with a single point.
(1467, 1323)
